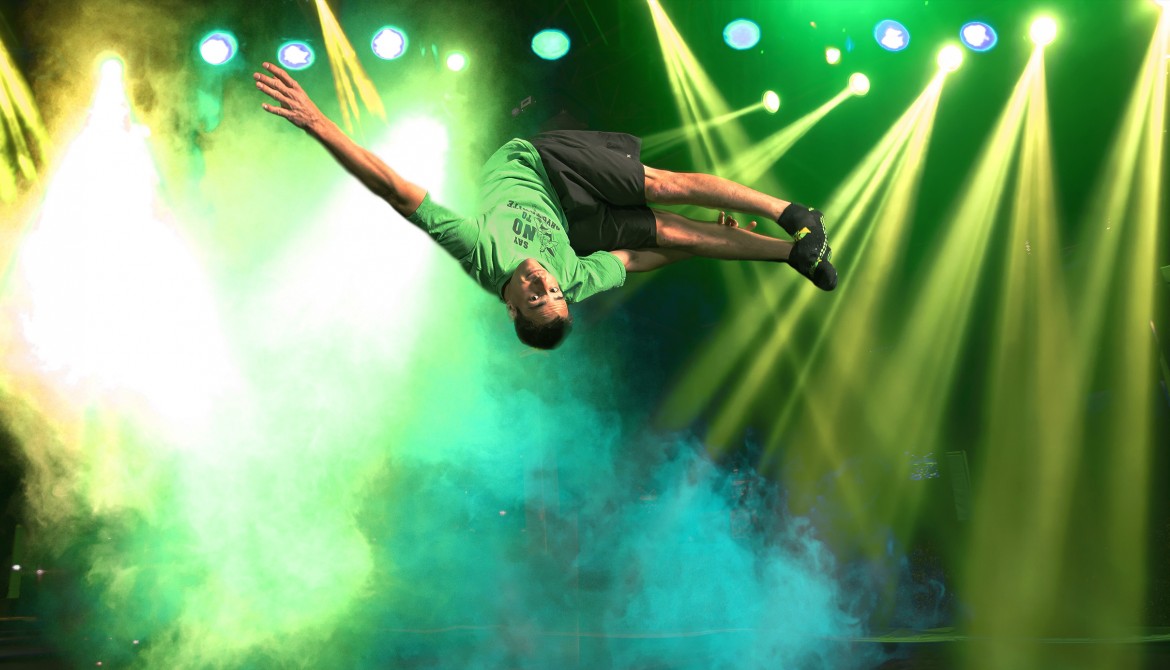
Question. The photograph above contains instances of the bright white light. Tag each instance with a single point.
(112, 69)
(859, 84)
(116, 301)
(979, 36)
(427, 141)
(771, 102)
(218, 47)
(891, 35)
(456, 62)
(16, 568)
(832, 55)
(389, 43)
(950, 58)
(1043, 31)
(296, 55)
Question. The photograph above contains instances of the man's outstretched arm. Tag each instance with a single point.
(296, 106)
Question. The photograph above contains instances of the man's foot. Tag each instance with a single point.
(810, 257)
(798, 220)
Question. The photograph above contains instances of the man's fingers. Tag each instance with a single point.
(273, 93)
(271, 81)
(281, 75)
(279, 111)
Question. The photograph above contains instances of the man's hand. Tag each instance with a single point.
(295, 104)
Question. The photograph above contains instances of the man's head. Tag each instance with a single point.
(537, 306)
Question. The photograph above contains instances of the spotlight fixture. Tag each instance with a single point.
(741, 34)
(979, 36)
(456, 61)
(295, 55)
(771, 102)
(950, 58)
(891, 35)
(389, 43)
(218, 47)
(1043, 31)
(859, 84)
(550, 44)
(832, 55)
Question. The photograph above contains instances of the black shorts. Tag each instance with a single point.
(601, 184)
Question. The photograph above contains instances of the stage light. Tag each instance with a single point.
(741, 34)
(832, 55)
(1043, 31)
(296, 55)
(389, 43)
(218, 47)
(979, 36)
(550, 44)
(456, 62)
(950, 58)
(891, 35)
(771, 102)
(859, 84)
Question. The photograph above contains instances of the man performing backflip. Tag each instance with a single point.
(566, 216)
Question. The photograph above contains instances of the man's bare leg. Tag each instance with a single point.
(675, 231)
(705, 190)
(810, 255)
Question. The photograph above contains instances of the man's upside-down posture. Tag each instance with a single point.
(565, 216)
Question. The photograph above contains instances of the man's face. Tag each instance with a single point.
(535, 293)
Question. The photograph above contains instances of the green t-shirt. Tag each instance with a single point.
(521, 219)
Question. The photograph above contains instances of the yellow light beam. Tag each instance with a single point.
(697, 99)
(713, 366)
(750, 166)
(1031, 441)
(661, 142)
(1131, 354)
(918, 373)
(348, 76)
(24, 135)
(922, 365)
(896, 158)
(854, 318)
(855, 198)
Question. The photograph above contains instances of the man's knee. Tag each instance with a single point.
(661, 185)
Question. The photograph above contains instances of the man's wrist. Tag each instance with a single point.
(319, 127)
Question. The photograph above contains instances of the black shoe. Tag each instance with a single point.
(810, 257)
(798, 220)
